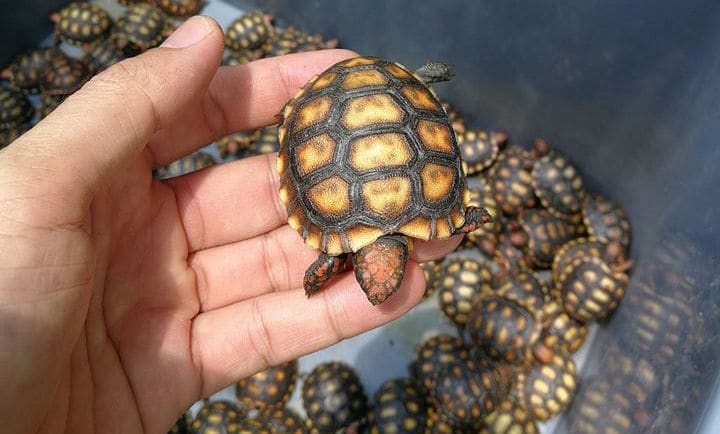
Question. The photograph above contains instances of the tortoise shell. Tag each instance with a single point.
(558, 185)
(436, 424)
(237, 144)
(79, 23)
(465, 392)
(511, 181)
(141, 27)
(268, 388)
(573, 249)
(333, 397)
(509, 256)
(282, 420)
(47, 104)
(600, 408)
(436, 352)
(589, 289)
(249, 32)
(523, 285)
(455, 118)
(562, 331)
(179, 8)
(65, 75)
(485, 237)
(27, 71)
(510, 418)
(240, 57)
(15, 109)
(479, 148)
(548, 388)
(266, 142)
(606, 221)
(218, 417)
(185, 165)
(103, 54)
(463, 281)
(432, 271)
(546, 234)
(505, 328)
(366, 150)
(251, 426)
(9, 135)
(285, 42)
(182, 425)
(400, 408)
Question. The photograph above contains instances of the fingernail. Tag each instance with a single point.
(190, 32)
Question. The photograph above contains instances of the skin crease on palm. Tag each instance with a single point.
(124, 299)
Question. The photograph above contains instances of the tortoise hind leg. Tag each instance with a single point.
(379, 267)
(322, 270)
(474, 218)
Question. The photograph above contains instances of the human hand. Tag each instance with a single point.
(124, 299)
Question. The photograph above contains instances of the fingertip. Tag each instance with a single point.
(424, 251)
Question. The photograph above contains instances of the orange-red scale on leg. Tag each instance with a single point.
(379, 268)
(322, 270)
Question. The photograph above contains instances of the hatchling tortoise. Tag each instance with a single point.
(432, 271)
(561, 332)
(464, 280)
(524, 285)
(218, 417)
(541, 234)
(456, 120)
(284, 42)
(179, 8)
(582, 247)
(510, 418)
(400, 408)
(368, 161)
(269, 388)
(333, 398)
(8, 135)
(282, 420)
(185, 165)
(266, 142)
(434, 353)
(103, 54)
(237, 144)
(548, 388)
(511, 180)
(143, 26)
(182, 425)
(249, 32)
(64, 75)
(47, 104)
(27, 71)
(606, 221)
(479, 148)
(557, 183)
(15, 109)
(80, 23)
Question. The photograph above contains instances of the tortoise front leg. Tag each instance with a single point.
(324, 268)
(474, 218)
(379, 267)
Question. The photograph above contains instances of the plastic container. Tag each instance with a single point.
(630, 91)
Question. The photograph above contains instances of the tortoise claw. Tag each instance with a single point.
(474, 218)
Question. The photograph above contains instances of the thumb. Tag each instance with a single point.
(110, 120)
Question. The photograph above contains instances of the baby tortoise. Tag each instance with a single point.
(464, 280)
(548, 388)
(15, 109)
(510, 418)
(434, 353)
(47, 104)
(589, 289)
(185, 165)
(511, 181)
(103, 54)
(179, 8)
(219, 417)
(465, 392)
(480, 149)
(282, 420)
(266, 143)
(81, 23)
(400, 408)
(269, 388)
(249, 32)
(9, 135)
(577, 248)
(237, 144)
(27, 71)
(182, 425)
(142, 27)
(562, 332)
(606, 221)
(333, 398)
(506, 254)
(368, 162)
(432, 271)
(542, 235)
(557, 182)
(524, 285)
(455, 118)
(64, 75)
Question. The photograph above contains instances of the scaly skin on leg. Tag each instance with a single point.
(322, 270)
(379, 267)
(474, 218)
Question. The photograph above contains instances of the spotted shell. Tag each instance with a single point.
(179, 8)
(573, 249)
(479, 148)
(454, 116)
(237, 144)
(464, 280)
(250, 426)
(143, 26)
(27, 71)
(467, 391)
(9, 135)
(283, 43)
(606, 221)
(558, 185)
(65, 75)
(266, 142)
(78, 23)
(589, 289)
(510, 418)
(240, 57)
(249, 32)
(15, 109)
(548, 388)
(333, 397)
(523, 285)
(432, 271)
(546, 235)
(103, 54)
(562, 331)
(512, 182)
(185, 165)
(600, 408)
(217, 417)
(509, 256)
(400, 408)
(434, 353)
(271, 387)
(505, 329)
(282, 420)
(47, 104)
(366, 150)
